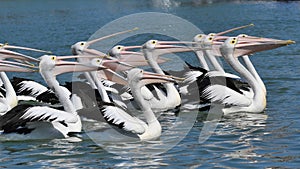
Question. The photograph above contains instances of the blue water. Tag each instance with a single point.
(266, 140)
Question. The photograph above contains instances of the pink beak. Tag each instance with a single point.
(62, 66)
(109, 36)
(8, 66)
(6, 46)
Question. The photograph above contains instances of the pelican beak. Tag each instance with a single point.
(175, 42)
(164, 47)
(62, 66)
(233, 29)
(125, 52)
(246, 48)
(8, 66)
(5, 54)
(132, 47)
(218, 40)
(109, 36)
(149, 78)
(117, 65)
(131, 58)
(79, 56)
(6, 46)
(112, 76)
(92, 52)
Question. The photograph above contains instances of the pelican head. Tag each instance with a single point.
(239, 46)
(199, 37)
(119, 50)
(78, 47)
(57, 65)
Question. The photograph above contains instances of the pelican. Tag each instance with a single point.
(149, 130)
(10, 100)
(81, 48)
(205, 40)
(233, 81)
(29, 121)
(26, 89)
(171, 97)
(232, 100)
(166, 97)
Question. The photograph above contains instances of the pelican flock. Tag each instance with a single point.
(126, 88)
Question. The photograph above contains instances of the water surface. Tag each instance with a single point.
(266, 140)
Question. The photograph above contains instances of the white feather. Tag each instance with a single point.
(226, 96)
(107, 83)
(35, 87)
(147, 95)
(219, 73)
(191, 76)
(43, 112)
(118, 116)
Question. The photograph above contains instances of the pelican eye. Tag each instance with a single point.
(210, 38)
(199, 36)
(53, 58)
(82, 43)
(141, 71)
(234, 38)
(119, 47)
(244, 35)
(98, 60)
(153, 42)
(233, 41)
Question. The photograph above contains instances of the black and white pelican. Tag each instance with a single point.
(166, 96)
(138, 129)
(26, 89)
(206, 40)
(82, 48)
(232, 100)
(28, 121)
(10, 99)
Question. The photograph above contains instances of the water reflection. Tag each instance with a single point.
(236, 136)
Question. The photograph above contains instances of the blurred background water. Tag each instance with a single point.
(265, 140)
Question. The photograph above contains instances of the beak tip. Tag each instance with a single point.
(292, 42)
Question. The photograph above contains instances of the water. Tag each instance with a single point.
(266, 140)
